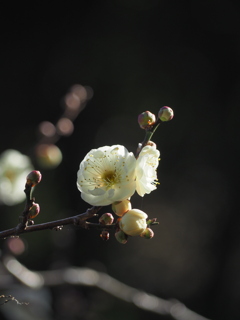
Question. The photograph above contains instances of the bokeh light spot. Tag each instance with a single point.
(47, 129)
(65, 127)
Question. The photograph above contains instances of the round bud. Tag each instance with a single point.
(121, 207)
(146, 119)
(165, 114)
(121, 237)
(106, 219)
(105, 235)
(33, 178)
(147, 234)
(33, 211)
(133, 222)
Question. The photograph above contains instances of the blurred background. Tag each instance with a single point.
(127, 57)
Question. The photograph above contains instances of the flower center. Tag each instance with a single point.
(110, 178)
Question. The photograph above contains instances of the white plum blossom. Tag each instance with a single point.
(133, 222)
(146, 174)
(14, 168)
(106, 175)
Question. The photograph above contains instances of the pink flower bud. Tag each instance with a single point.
(106, 219)
(34, 211)
(146, 119)
(165, 114)
(105, 235)
(33, 178)
(147, 234)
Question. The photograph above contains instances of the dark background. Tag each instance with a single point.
(136, 56)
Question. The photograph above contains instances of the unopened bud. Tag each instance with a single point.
(106, 219)
(105, 235)
(121, 237)
(34, 210)
(147, 234)
(121, 207)
(133, 222)
(165, 114)
(33, 178)
(146, 119)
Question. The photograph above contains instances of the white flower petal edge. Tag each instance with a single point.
(146, 174)
(106, 175)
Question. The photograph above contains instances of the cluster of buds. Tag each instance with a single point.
(105, 220)
(132, 222)
(147, 119)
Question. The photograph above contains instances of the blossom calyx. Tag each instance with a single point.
(146, 119)
(33, 178)
(106, 219)
(33, 211)
(121, 207)
(147, 233)
(133, 222)
(165, 114)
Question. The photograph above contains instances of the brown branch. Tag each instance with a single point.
(11, 298)
(78, 220)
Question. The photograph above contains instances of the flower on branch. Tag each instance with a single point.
(146, 174)
(107, 175)
(14, 168)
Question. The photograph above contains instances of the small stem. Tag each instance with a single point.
(148, 135)
(23, 218)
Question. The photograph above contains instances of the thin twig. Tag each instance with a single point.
(11, 298)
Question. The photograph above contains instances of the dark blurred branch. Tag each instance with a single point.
(89, 277)
(78, 220)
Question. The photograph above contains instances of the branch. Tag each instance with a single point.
(89, 277)
(10, 298)
(78, 220)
